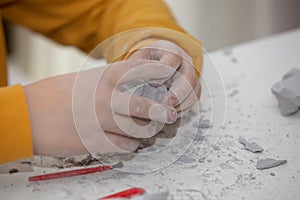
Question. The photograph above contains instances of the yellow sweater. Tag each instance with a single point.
(84, 24)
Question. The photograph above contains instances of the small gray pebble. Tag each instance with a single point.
(269, 163)
(272, 174)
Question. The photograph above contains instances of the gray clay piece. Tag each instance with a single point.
(253, 147)
(153, 196)
(287, 92)
(148, 91)
(204, 124)
(118, 165)
(267, 163)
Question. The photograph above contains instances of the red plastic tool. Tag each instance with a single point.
(125, 194)
(74, 172)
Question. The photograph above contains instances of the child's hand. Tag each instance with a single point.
(50, 106)
(184, 86)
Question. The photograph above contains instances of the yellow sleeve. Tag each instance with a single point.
(15, 132)
(87, 23)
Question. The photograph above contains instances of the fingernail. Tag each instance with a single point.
(172, 101)
(172, 115)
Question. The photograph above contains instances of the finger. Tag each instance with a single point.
(124, 143)
(125, 125)
(132, 127)
(170, 58)
(164, 51)
(193, 97)
(136, 128)
(121, 125)
(183, 83)
(136, 106)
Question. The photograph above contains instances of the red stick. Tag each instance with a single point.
(126, 193)
(74, 172)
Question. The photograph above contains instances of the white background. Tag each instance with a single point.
(216, 23)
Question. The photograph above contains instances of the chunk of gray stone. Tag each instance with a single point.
(16, 166)
(272, 173)
(185, 159)
(251, 176)
(152, 196)
(287, 92)
(146, 90)
(267, 163)
(204, 124)
(199, 135)
(250, 146)
(227, 51)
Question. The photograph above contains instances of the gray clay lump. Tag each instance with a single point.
(146, 90)
(250, 146)
(287, 92)
(267, 163)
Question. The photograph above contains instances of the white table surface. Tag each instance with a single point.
(229, 171)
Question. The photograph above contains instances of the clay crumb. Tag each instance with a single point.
(153, 196)
(204, 124)
(118, 165)
(26, 162)
(253, 147)
(267, 163)
(217, 148)
(227, 51)
(251, 176)
(57, 166)
(13, 170)
(186, 159)
(88, 160)
(234, 60)
(272, 174)
(233, 93)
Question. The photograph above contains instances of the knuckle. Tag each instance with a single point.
(139, 107)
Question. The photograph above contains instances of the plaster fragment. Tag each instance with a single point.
(153, 196)
(253, 147)
(272, 173)
(267, 163)
(251, 176)
(204, 124)
(287, 92)
(148, 91)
